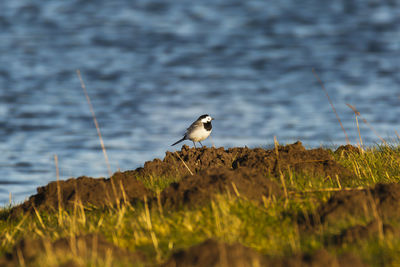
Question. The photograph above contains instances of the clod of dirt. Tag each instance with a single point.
(213, 253)
(359, 232)
(345, 151)
(87, 247)
(383, 200)
(314, 162)
(201, 187)
(98, 192)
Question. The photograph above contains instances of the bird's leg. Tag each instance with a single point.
(194, 144)
(201, 144)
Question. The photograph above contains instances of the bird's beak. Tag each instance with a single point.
(212, 119)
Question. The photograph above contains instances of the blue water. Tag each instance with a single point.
(152, 67)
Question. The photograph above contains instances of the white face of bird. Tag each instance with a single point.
(206, 119)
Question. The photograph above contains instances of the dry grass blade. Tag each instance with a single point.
(358, 126)
(334, 189)
(150, 227)
(338, 182)
(58, 191)
(354, 109)
(366, 122)
(330, 102)
(397, 134)
(376, 215)
(373, 129)
(235, 189)
(21, 260)
(95, 122)
(183, 162)
(276, 144)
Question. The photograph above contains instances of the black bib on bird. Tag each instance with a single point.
(207, 125)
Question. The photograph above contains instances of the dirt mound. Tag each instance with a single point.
(240, 171)
(359, 232)
(345, 151)
(383, 199)
(202, 162)
(316, 162)
(98, 192)
(195, 159)
(90, 247)
(214, 253)
(201, 187)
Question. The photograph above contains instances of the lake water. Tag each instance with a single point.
(152, 67)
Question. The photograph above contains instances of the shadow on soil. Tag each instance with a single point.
(214, 253)
(379, 202)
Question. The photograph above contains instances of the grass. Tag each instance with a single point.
(271, 228)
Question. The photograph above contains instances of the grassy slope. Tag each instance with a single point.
(271, 229)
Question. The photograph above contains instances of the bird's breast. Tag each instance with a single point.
(199, 134)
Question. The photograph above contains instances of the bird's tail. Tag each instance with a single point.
(183, 138)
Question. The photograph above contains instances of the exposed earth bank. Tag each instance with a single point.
(251, 174)
(202, 173)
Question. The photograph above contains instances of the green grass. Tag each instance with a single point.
(271, 228)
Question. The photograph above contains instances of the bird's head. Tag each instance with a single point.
(205, 118)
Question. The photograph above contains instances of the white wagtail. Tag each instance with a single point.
(198, 131)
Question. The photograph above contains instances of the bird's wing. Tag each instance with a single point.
(194, 125)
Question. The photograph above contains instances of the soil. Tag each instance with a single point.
(358, 233)
(205, 172)
(214, 253)
(345, 151)
(98, 192)
(85, 246)
(215, 170)
(200, 188)
(383, 200)
(316, 162)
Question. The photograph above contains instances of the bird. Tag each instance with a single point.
(198, 131)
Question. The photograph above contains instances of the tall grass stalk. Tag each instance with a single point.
(60, 216)
(99, 134)
(95, 122)
(276, 144)
(150, 227)
(330, 102)
(366, 122)
(356, 114)
(187, 167)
